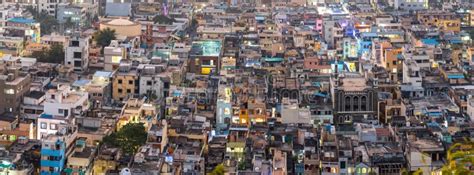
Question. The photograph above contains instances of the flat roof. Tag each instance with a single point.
(206, 48)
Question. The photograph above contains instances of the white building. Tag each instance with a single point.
(65, 102)
(49, 6)
(409, 4)
(113, 54)
(150, 81)
(77, 53)
(412, 79)
(32, 106)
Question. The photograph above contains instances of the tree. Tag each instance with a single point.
(104, 37)
(218, 170)
(460, 157)
(48, 23)
(162, 19)
(129, 138)
(55, 54)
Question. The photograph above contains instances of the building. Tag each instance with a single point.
(56, 148)
(77, 53)
(12, 129)
(409, 4)
(125, 83)
(355, 99)
(63, 101)
(14, 84)
(113, 55)
(49, 6)
(204, 57)
(80, 161)
(137, 111)
(23, 27)
(150, 81)
(33, 104)
(123, 27)
(442, 20)
(100, 88)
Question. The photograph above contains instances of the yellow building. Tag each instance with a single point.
(244, 116)
(125, 83)
(101, 166)
(137, 111)
(443, 20)
(389, 59)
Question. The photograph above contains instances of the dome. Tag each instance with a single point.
(120, 22)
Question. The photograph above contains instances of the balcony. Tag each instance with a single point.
(51, 163)
(49, 152)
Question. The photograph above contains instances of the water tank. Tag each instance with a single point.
(125, 171)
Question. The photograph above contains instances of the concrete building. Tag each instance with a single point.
(409, 4)
(77, 53)
(49, 6)
(449, 22)
(204, 57)
(125, 83)
(65, 102)
(32, 106)
(113, 55)
(150, 83)
(56, 147)
(100, 88)
(13, 84)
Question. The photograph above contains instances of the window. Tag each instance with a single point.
(119, 90)
(60, 111)
(119, 81)
(44, 125)
(129, 91)
(77, 63)
(130, 81)
(148, 83)
(343, 164)
(53, 126)
(356, 103)
(77, 54)
(347, 104)
(9, 91)
(363, 105)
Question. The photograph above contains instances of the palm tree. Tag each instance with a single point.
(460, 157)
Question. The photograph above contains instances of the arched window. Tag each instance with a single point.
(347, 103)
(356, 103)
(363, 103)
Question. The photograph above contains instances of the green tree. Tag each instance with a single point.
(55, 54)
(129, 138)
(218, 170)
(162, 19)
(459, 157)
(103, 37)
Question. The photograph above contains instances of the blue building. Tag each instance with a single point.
(53, 155)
